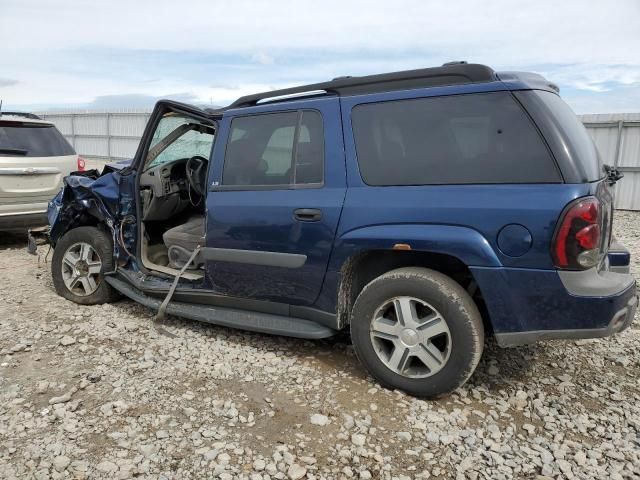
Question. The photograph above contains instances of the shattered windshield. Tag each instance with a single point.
(187, 142)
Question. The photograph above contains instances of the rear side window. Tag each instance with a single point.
(576, 141)
(461, 139)
(275, 149)
(32, 140)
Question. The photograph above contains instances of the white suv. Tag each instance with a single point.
(34, 158)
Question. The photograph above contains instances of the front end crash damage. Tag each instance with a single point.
(104, 200)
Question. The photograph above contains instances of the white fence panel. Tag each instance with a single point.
(617, 137)
(101, 137)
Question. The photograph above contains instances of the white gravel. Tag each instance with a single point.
(95, 392)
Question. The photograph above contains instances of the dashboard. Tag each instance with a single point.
(166, 178)
(164, 190)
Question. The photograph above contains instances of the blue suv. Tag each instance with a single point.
(424, 210)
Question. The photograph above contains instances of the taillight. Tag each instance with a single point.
(576, 244)
(81, 164)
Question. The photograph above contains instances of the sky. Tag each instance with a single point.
(114, 54)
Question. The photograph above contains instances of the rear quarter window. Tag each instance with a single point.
(32, 140)
(569, 140)
(461, 139)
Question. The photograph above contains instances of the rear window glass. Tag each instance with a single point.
(462, 139)
(32, 141)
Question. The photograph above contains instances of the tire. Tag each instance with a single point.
(99, 259)
(437, 356)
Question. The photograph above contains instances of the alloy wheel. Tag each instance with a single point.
(81, 267)
(410, 337)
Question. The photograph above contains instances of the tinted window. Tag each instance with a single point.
(462, 139)
(575, 135)
(32, 140)
(275, 149)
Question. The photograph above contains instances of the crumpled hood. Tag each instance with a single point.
(93, 194)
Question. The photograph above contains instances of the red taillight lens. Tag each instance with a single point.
(589, 237)
(576, 243)
(81, 164)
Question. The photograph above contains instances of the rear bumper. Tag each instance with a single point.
(527, 305)
(619, 322)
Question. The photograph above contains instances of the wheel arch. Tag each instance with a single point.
(364, 254)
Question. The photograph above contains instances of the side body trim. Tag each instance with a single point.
(253, 257)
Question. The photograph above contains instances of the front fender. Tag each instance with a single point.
(466, 244)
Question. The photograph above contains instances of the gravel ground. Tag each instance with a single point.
(97, 392)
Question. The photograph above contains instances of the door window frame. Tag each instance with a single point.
(158, 113)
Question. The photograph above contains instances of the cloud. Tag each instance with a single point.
(262, 58)
(153, 46)
(136, 100)
(622, 99)
(8, 82)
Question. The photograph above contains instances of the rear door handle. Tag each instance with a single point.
(307, 214)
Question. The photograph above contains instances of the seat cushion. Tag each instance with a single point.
(188, 235)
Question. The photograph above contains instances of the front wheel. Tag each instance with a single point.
(79, 261)
(417, 330)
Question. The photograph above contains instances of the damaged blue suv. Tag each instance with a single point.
(424, 210)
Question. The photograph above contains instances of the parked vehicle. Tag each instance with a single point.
(424, 210)
(34, 158)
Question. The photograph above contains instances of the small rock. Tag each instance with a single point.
(107, 467)
(62, 398)
(404, 436)
(296, 471)
(319, 419)
(61, 462)
(358, 439)
(67, 340)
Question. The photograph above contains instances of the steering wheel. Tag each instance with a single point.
(196, 169)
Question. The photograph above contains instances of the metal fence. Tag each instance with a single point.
(108, 136)
(617, 137)
(102, 137)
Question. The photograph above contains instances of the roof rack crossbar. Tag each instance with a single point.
(425, 77)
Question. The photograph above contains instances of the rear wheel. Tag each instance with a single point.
(417, 330)
(79, 261)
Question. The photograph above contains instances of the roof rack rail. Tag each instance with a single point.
(32, 116)
(448, 74)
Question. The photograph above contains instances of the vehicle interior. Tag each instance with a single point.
(173, 194)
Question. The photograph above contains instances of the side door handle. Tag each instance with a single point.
(307, 214)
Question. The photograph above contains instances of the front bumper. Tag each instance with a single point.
(527, 305)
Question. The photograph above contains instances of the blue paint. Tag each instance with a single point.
(520, 300)
(514, 240)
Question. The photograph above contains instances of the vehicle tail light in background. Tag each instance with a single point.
(577, 241)
(81, 164)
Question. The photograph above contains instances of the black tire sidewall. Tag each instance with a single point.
(102, 244)
(453, 303)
